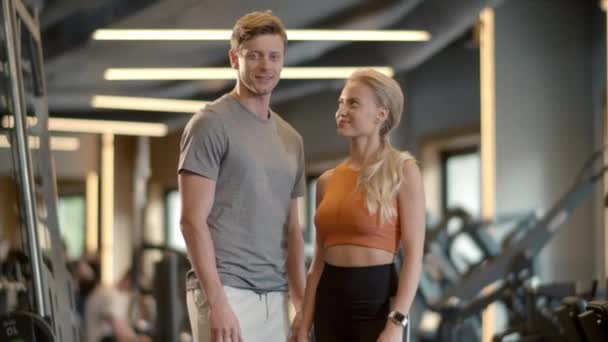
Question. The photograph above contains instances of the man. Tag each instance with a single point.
(107, 312)
(240, 172)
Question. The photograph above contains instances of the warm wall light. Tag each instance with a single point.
(123, 74)
(92, 237)
(57, 143)
(146, 104)
(488, 142)
(488, 114)
(107, 209)
(107, 126)
(310, 35)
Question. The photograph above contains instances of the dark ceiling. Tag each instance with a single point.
(74, 63)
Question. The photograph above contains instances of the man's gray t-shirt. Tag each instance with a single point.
(258, 167)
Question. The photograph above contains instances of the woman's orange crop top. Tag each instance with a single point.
(342, 217)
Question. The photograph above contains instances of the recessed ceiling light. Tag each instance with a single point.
(117, 127)
(57, 143)
(132, 74)
(305, 35)
(146, 104)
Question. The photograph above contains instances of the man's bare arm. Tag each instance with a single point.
(197, 195)
(295, 256)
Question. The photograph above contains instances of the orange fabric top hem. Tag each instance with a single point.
(351, 243)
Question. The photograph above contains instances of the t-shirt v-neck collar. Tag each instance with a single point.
(253, 115)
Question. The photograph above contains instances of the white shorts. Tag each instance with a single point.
(262, 317)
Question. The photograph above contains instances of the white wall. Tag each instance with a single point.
(442, 94)
(68, 164)
(314, 118)
(544, 121)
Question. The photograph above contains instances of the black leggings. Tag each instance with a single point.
(352, 303)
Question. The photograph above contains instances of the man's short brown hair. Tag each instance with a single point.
(254, 24)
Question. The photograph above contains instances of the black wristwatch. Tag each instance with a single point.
(398, 318)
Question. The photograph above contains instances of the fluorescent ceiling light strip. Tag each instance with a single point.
(9, 121)
(57, 143)
(65, 143)
(146, 104)
(328, 72)
(305, 35)
(123, 74)
(107, 126)
(359, 35)
(99, 126)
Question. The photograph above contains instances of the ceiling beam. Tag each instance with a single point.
(445, 20)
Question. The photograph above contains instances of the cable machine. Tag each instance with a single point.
(48, 313)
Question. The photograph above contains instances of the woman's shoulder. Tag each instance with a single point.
(322, 183)
(407, 164)
(409, 169)
(405, 156)
(325, 176)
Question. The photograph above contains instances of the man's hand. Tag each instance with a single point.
(296, 329)
(223, 324)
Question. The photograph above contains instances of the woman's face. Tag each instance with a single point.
(358, 112)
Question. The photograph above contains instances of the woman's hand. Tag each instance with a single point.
(300, 336)
(296, 328)
(392, 333)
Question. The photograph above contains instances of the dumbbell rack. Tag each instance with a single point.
(50, 315)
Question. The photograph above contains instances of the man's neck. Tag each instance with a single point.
(257, 104)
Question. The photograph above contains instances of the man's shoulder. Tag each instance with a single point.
(219, 105)
(210, 116)
(286, 127)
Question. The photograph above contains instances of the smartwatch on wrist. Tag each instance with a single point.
(398, 318)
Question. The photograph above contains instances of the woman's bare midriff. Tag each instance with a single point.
(357, 256)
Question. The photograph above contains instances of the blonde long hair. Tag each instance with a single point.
(381, 179)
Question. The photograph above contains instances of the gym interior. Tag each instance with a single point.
(505, 112)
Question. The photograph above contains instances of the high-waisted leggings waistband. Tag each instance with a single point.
(352, 303)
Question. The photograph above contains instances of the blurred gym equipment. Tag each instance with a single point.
(48, 313)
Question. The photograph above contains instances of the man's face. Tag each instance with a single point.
(259, 63)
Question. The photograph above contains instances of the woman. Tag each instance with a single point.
(366, 208)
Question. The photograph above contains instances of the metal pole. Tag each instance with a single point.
(604, 6)
(23, 156)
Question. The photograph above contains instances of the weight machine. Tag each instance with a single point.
(49, 314)
(512, 267)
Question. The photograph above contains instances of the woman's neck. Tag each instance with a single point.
(363, 149)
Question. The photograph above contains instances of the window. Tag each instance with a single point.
(71, 211)
(310, 230)
(461, 178)
(173, 207)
